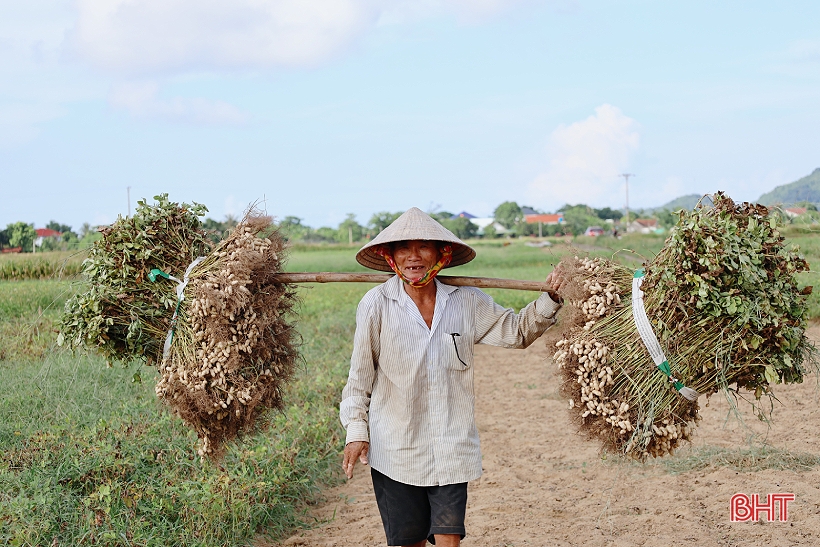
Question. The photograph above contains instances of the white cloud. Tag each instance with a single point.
(142, 101)
(158, 40)
(180, 35)
(585, 159)
(173, 36)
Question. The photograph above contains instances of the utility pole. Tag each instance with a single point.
(128, 191)
(626, 178)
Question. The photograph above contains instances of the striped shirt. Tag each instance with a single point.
(410, 389)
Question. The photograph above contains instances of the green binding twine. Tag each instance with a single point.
(156, 273)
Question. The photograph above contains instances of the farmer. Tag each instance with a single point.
(408, 406)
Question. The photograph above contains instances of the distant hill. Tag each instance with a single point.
(683, 202)
(805, 189)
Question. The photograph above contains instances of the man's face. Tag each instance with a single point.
(414, 258)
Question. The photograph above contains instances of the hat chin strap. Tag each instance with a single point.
(446, 258)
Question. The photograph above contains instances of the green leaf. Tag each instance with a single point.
(771, 375)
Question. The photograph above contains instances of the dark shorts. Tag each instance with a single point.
(412, 513)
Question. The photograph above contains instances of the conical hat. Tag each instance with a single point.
(414, 224)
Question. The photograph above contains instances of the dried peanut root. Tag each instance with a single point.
(598, 396)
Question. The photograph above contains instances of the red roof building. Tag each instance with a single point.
(795, 211)
(47, 232)
(544, 219)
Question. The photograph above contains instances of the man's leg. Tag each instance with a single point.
(447, 540)
(448, 506)
(442, 540)
(404, 508)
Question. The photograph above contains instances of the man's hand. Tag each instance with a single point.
(556, 281)
(357, 450)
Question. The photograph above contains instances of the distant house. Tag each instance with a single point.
(47, 232)
(483, 222)
(643, 226)
(463, 214)
(794, 212)
(43, 233)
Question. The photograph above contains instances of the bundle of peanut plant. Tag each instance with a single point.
(234, 346)
(214, 320)
(725, 313)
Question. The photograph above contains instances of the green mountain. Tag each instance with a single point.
(799, 191)
(684, 202)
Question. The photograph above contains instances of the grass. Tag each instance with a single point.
(87, 455)
(808, 241)
(747, 460)
(30, 311)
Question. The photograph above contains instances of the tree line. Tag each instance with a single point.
(510, 215)
(23, 235)
(350, 230)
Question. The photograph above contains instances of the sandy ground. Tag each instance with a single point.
(543, 485)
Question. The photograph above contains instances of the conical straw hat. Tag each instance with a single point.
(413, 224)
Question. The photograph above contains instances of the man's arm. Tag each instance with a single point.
(498, 326)
(356, 394)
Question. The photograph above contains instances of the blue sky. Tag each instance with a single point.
(327, 107)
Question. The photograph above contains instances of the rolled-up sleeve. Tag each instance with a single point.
(499, 326)
(353, 410)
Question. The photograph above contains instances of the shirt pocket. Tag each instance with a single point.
(458, 349)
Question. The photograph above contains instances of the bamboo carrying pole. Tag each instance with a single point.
(458, 281)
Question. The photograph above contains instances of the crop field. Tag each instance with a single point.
(88, 456)
(51, 265)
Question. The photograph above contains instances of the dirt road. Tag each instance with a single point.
(543, 485)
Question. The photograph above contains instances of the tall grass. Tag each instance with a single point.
(47, 265)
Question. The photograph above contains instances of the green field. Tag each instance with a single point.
(88, 457)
